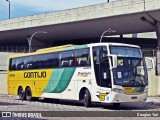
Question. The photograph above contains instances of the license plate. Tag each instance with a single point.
(134, 97)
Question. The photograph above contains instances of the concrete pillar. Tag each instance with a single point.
(158, 34)
(158, 52)
(158, 63)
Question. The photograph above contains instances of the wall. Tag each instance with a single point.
(154, 83)
(153, 80)
(3, 83)
(3, 71)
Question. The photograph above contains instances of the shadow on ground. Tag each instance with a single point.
(123, 106)
(8, 104)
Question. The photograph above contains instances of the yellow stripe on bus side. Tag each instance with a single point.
(37, 80)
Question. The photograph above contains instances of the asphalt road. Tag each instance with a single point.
(62, 107)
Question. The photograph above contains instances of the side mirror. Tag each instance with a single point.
(114, 61)
(150, 63)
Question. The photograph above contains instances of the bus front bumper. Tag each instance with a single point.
(121, 97)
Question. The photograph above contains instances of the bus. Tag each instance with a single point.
(99, 72)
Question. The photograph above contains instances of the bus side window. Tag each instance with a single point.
(66, 58)
(12, 64)
(39, 61)
(36, 62)
(83, 63)
(28, 62)
(98, 53)
(52, 60)
(43, 60)
(64, 63)
(82, 57)
(29, 66)
(20, 63)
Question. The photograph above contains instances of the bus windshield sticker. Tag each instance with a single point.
(119, 74)
(120, 62)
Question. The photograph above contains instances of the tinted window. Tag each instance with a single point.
(99, 52)
(82, 57)
(49, 60)
(52, 60)
(126, 51)
(28, 62)
(39, 61)
(20, 64)
(13, 64)
(67, 58)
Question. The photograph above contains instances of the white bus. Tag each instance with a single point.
(98, 72)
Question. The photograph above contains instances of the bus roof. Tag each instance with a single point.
(54, 48)
(114, 44)
(69, 47)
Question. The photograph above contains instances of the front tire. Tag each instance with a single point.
(87, 98)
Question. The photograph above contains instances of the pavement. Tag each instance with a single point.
(69, 108)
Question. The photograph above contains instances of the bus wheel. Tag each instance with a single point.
(21, 93)
(28, 94)
(116, 105)
(87, 98)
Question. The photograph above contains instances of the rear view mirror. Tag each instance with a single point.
(114, 61)
(150, 63)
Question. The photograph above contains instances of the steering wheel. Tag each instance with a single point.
(131, 82)
(135, 82)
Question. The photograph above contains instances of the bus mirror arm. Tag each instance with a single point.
(114, 61)
(104, 59)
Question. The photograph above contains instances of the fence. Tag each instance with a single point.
(16, 49)
(150, 52)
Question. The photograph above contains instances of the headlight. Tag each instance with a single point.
(118, 90)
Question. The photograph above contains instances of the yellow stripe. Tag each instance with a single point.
(37, 84)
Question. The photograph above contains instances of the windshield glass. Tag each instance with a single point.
(126, 51)
(130, 72)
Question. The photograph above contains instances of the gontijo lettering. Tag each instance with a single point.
(41, 74)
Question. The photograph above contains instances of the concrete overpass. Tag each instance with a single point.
(124, 16)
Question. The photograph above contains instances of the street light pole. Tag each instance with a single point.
(106, 31)
(9, 8)
(30, 39)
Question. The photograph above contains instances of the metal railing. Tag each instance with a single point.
(16, 49)
(149, 52)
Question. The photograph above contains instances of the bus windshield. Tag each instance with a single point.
(126, 51)
(131, 68)
(130, 72)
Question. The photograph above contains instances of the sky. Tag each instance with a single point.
(20, 8)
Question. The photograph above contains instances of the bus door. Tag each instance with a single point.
(101, 69)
